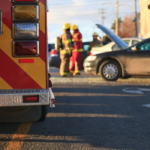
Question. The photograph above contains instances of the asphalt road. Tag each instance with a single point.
(90, 114)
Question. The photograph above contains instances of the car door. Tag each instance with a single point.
(138, 62)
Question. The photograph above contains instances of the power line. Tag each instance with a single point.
(73, 15)
(77, 6)
(79, 2)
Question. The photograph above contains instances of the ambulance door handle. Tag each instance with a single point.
(1, 22)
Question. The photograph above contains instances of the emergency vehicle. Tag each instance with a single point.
(24, 80)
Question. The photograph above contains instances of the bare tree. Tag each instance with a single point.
(127, 27)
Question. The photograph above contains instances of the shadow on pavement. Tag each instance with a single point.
(92, 117)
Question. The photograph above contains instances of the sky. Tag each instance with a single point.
(85, 14)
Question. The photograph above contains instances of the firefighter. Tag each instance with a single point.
(95, 43)
(76, 59)
(65, 51)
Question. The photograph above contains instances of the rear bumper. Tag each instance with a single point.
(15, 97)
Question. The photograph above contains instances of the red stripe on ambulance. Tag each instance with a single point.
(42, 46)
(4, 4)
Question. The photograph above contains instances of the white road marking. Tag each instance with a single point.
(129, 90)
(143, 89)
(146, 105)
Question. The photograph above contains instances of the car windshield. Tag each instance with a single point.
(127, 42)
(133, 46)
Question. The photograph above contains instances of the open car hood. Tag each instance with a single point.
(121, 44)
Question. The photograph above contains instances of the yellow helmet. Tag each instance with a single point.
(66, 26)
(74, 27)
(94, 34)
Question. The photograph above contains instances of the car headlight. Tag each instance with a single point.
(90, 58)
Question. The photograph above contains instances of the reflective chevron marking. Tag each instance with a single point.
(14, 75)
(5, 84)
(37, 70)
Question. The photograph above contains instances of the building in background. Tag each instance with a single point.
(145, 19)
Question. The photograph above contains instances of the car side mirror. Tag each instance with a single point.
(134, 48)
(1, 23)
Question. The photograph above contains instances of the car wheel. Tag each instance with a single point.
(43, 113)
(110, 70)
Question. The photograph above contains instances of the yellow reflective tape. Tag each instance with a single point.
(64, 73)
(69, 48)
(42, 17)
(98, 45)
(36, 70)
(69, 40)
(76, 35)
(4, 84)
(77, 71)
(71, 71)
(19, 136)
(74, 40)
(66, 41)
(64, 52)
(78, 50)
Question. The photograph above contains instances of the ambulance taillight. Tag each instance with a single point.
(25, 31)
(26, 48)
(25, 13)
(25, 28)
(30, 99)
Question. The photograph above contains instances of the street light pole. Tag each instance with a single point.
(116, 17)
(136, 20)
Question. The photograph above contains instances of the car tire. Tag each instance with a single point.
(43, 113)
(110, 70)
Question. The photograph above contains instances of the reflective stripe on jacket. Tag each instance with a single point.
(77, 39)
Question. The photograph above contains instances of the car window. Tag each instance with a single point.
(85, 47)
(144, 47)
(134, 42)
(115, 47)
(127, 42)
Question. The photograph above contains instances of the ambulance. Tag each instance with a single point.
(25, 91)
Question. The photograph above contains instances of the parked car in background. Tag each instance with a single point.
(50, 47)
(129, 61)
(112, 46)
(54, 58)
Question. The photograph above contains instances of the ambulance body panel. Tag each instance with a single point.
(24, 77)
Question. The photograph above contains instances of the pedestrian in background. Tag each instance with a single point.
(76, 59)
(65, 51)
(95, 43)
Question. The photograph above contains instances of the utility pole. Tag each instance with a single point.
(116, 30)
(136, 20)
(102, 17)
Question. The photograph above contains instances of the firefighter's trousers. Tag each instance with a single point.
(76, 62)
(64, 67)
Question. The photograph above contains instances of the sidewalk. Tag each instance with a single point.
(86, 78)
